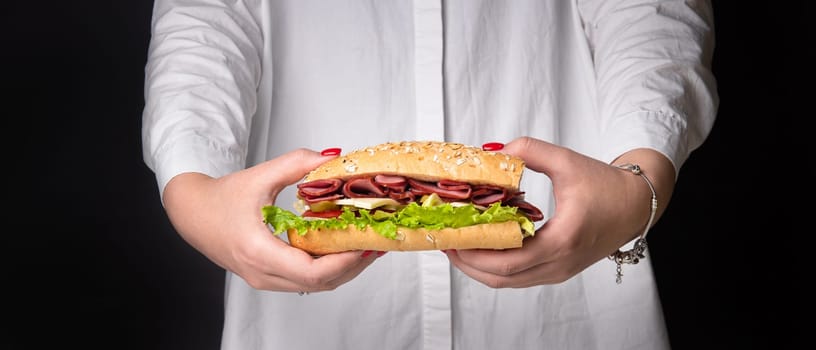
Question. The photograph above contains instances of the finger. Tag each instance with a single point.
(550, 243)
(311, 273)
(292, 166)
(538, 155)
(546, 273)
(499, 262)
(278, 282)
(354, 271)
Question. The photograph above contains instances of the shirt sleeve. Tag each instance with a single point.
(201, 77)
(655, 87)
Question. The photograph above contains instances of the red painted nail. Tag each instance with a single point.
(330, 152)
(381, 253)
(366, 253)
(493, 146)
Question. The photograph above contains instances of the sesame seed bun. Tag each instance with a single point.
(427, 161)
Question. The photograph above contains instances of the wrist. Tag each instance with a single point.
(661, 174)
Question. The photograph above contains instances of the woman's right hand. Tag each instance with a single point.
(221, 218)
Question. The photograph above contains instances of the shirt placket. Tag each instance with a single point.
(434, 266)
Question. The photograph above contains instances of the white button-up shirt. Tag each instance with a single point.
(233, 83)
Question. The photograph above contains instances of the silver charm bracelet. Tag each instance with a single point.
(638, 251)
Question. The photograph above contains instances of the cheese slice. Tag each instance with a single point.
(368, 203)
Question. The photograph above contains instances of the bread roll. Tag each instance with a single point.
(427, 161)
(502, 235)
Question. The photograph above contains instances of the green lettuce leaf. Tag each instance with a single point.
(412, 216)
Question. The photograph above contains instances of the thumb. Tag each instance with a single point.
(292, 166)
(538, 155)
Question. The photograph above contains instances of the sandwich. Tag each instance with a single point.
(409, 196)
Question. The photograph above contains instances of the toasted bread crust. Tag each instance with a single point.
(428, 161)
(502, 235)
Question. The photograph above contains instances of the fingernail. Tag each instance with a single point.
(334, 151)
(381, 253)
(493, 146)
(366, 253)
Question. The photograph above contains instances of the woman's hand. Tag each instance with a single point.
(221, 217)
(598, 209)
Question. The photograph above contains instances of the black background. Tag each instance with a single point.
(91, 260)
